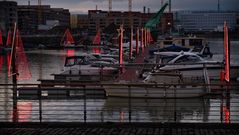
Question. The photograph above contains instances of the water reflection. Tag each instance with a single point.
(119, 110)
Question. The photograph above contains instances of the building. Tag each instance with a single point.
(208, 21)
(8, 15)
(101, 19)
(31, 16)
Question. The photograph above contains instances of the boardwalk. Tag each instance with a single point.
(119, 129)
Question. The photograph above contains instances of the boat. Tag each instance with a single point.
(172, 48)
(86, 65)
(191, 65)
(189, 42)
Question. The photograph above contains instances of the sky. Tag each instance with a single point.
(82, 6)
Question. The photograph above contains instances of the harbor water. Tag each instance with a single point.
(43, 63)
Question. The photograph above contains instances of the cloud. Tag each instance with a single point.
(154, 5)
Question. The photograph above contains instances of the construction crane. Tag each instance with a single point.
(110, 5)
(130, 5)
(39, 12)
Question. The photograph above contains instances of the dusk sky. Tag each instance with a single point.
(82, 6)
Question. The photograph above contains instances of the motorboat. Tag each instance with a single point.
(85, 65)
(203, 51)
(191, 65)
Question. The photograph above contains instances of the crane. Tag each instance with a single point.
(130, 5)
(39, 12)
(110, 5)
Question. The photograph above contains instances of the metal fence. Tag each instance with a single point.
(101, 102)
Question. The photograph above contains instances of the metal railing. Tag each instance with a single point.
(105, 102)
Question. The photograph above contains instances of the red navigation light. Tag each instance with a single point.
(226, 53)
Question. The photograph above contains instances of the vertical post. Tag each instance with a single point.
(221, 107)
(145, 37)
(84, 89)
(175, 105)
(137, 41)
(142, 40)
(121, 30)
(129, 102)
(227, 69)
(131, 44)
(101, 72)
(14, 74)
(228, 104)
(40, 102)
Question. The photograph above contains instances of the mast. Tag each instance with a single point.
(14, 74)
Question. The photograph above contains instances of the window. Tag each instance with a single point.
(187, 59)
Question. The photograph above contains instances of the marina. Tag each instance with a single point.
(118, 72)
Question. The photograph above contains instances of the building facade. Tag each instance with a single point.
(205, 20)
(8, 15)
(98, 19)
(31, 16)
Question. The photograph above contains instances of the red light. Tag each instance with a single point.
(23, 112)
(227, 115)
(226, 53)
(97, 39)
(142, 40)
(222, 75)
(69, 38)
(70, 52)
(96, 50)
(21, 60)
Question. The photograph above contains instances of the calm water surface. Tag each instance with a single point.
(43, 63)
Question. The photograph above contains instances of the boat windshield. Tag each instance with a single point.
(76, 61)
(166, 59)
(188, 59)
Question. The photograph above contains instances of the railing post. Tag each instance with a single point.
(175, 105)
(228, 102)
(39, 92)
(129, 102)
(84, 89)
(221, 107)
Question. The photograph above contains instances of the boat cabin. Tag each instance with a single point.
(189, 42)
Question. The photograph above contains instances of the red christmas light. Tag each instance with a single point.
(226, 53)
